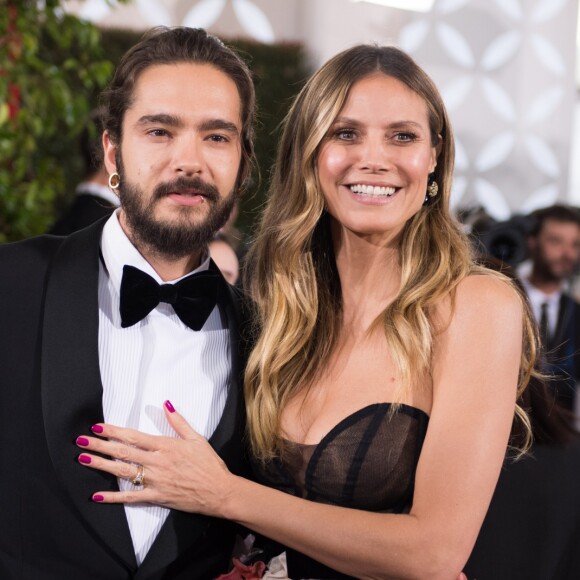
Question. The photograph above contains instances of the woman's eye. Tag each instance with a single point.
(406, 137)
(345, 134)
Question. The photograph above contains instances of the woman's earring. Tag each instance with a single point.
(114, 180)
(432, 191)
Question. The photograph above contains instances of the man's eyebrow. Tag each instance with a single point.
(219, 124)
(162, 119)
(175, 121)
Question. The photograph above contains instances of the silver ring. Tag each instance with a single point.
(139, 479)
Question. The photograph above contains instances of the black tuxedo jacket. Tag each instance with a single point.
(563, 352)
(50, 392)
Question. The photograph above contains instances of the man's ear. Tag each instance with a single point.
(110, 151)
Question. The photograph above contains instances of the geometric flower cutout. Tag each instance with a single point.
(542, 197)
(491, 199)
(544, 105)
(501, 50)
(254, 21)
(542, 155)
(456, 45)
(204, 13)
(495, 151)
(498, 99)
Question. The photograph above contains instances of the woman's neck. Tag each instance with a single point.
(370, 277)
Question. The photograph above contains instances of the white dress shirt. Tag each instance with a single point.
(157, 359)
(537, 298)
(97, 190)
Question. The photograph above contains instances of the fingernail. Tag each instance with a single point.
(84, 458)
(98, 497)
(82, 441)
(96, 429)
(170, 407)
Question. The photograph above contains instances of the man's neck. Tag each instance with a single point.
(167, 267)
(546, 286)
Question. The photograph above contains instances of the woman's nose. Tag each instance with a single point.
(375, 155)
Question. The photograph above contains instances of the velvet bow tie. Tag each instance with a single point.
(192, 298)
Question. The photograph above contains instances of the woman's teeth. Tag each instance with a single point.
(372, 190)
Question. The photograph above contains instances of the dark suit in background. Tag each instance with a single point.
(532, 528)
(86, 208)
(563, 353)
(51, 391)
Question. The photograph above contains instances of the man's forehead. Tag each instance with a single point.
(554, 226)
(186, 88)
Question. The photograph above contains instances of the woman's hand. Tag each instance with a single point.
(183, 473)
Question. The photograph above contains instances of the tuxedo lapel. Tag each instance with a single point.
(71, 385)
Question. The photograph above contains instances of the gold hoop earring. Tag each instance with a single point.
(114, 181)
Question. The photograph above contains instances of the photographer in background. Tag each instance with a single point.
(554, 251)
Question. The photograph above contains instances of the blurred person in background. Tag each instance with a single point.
(554, 251)
(93, 197)
(223, 254)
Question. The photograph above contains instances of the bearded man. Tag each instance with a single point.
(109, 323)
(554, 246)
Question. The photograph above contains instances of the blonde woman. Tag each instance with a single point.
(382, 385)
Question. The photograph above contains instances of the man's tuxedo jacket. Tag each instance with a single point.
(50, 392)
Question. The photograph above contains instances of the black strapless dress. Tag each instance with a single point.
(367, 462)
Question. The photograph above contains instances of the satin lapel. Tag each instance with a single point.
(230, 426)
(181, 530)
(71, 385)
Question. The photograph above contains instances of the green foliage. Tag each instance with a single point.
(51, 66)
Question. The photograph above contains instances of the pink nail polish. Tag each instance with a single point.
(82, 441)
(169, 406)
(84, 458)
(96, 429)
(98, 497)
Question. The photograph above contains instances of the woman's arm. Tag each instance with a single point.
(474, 376)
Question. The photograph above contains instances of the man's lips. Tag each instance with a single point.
(189, 198)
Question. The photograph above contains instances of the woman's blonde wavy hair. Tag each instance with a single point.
(291, 269)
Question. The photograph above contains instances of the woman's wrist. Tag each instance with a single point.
(233, 500)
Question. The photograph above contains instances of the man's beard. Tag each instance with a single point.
(553, 271)
(183, 236)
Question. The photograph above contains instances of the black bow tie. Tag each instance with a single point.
(192, 298)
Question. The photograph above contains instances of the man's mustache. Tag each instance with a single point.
(184, 184)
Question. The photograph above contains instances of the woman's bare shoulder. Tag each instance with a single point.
(489, 288)
(484, 297)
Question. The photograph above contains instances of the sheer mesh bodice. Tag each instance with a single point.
(367, 462)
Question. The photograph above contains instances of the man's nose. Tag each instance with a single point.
(188, 156)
